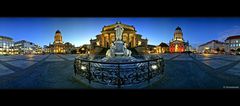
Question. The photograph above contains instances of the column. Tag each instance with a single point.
(128, 39)
(109, 40)
(134, 40)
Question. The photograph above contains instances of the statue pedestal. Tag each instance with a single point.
(119, 48)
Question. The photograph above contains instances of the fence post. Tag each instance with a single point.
(118, 75)
(74, 66)
(89, 73)
(148, 72)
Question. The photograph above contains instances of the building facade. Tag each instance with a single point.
(213, 46)
(7, 46)
(177, 44)
(69, 48)
(57, 46)
(233, 43)
(162, 48)
(107, 37)
(84, 49)
(26, 47)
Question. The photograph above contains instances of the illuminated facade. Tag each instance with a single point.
(57, 46)
(233, 43)
(178, 44)
(26, 47)
(213, 46)
(162, 48)
(7, 46)
(107, 37)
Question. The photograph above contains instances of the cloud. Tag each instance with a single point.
(233, 31)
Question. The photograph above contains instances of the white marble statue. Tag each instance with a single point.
(118, 48)
(119, 31)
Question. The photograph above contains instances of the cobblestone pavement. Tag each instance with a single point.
(200, 71)
(182, 71)
(38, 72)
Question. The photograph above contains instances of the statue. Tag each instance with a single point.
(119, 31)
(118, 48)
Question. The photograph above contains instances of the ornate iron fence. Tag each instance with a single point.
(118, 74)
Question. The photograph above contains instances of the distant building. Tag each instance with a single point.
(162, 48)
(177, 44)
(84, 49)
(151, 49)
(7, 46)
(233, 43)
(69, 48)
(57, 46)
(26, 47)
(213, 46)
(46, 49)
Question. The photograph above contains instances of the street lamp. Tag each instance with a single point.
(154, 67)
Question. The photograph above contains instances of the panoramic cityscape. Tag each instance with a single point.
(146, 53)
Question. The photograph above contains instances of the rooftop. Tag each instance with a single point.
(6, 37)
(216, 41)
(233, 37)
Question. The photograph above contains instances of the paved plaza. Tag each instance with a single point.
(182, 71)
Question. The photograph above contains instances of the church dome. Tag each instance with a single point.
(58, 31)
(178, 28)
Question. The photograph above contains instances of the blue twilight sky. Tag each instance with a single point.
(79, 31)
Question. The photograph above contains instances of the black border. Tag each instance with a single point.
(100, 9)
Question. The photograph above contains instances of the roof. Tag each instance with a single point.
(233, 37)
(6, 37)
(216, 41)
(151, 45)
(58, 31)
(163, 45)
(112, 26)
(178, 28)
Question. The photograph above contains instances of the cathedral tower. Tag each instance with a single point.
(58, 37)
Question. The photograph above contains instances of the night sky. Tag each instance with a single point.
(79, 31)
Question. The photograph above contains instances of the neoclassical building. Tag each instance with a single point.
(177, 44)
(107, 37)
(57, 46)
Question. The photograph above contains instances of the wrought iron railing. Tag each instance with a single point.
(118, 74)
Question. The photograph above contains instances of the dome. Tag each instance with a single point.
(178, 28)
(58, 31)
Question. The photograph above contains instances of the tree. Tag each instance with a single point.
(74, 51)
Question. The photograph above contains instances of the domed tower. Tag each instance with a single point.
(178, 35)
(58, 37)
